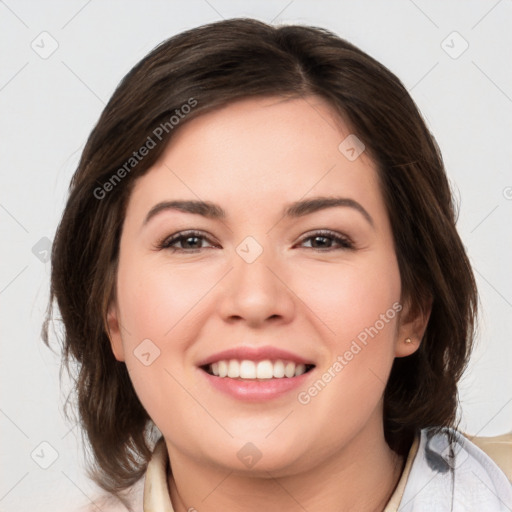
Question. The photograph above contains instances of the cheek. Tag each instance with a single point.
(159, 307)
(349, 298)
(360, 303)
(157, 301)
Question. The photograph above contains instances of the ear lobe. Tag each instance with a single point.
(413, 324)
(114, 332)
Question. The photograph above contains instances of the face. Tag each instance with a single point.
(283, 289)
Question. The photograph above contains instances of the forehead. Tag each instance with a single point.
(265, 132)
(259, 151)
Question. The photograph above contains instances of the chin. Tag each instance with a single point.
(258, 456)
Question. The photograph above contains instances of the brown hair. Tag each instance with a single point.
(208, 67)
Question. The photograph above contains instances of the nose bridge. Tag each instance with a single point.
(253, 263)
(256, 291)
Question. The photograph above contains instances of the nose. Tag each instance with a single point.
(258, 292)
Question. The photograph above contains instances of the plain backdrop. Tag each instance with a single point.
(60, 63)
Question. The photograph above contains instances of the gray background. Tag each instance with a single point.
(49, 104)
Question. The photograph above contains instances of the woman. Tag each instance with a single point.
(258, 262)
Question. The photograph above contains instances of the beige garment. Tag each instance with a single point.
(156, 490)
(396, 497)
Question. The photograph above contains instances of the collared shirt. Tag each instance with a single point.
(444, 472)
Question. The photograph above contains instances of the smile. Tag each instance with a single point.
(255, 374)
(247, 369)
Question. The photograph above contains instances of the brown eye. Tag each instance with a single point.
(191, 241)
(324, 240)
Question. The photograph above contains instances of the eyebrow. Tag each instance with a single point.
(294, 210)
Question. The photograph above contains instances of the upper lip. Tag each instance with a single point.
(254, 354)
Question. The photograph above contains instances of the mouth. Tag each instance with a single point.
(256, 374)
(257, 381)
(263, 370)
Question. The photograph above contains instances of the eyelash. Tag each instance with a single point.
(166, 243)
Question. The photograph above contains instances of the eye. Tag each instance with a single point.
(191, 241)
(323, 241)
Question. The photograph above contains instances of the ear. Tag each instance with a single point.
(413, 324)
(114, 332)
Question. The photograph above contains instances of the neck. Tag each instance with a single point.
(361, 476)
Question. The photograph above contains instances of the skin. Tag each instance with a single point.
(252, 158)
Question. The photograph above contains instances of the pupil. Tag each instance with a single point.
(191, 238)
(321, 238)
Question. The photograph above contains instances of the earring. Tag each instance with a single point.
(407, 340)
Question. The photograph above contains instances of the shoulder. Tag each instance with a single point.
(449, 472)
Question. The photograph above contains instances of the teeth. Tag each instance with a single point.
(233, 369)
(300, 369)
(248, 370)
(289, 369)
(266, 369)
(223, 368)
(278, 370)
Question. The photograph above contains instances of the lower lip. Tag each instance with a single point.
(256, 390)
